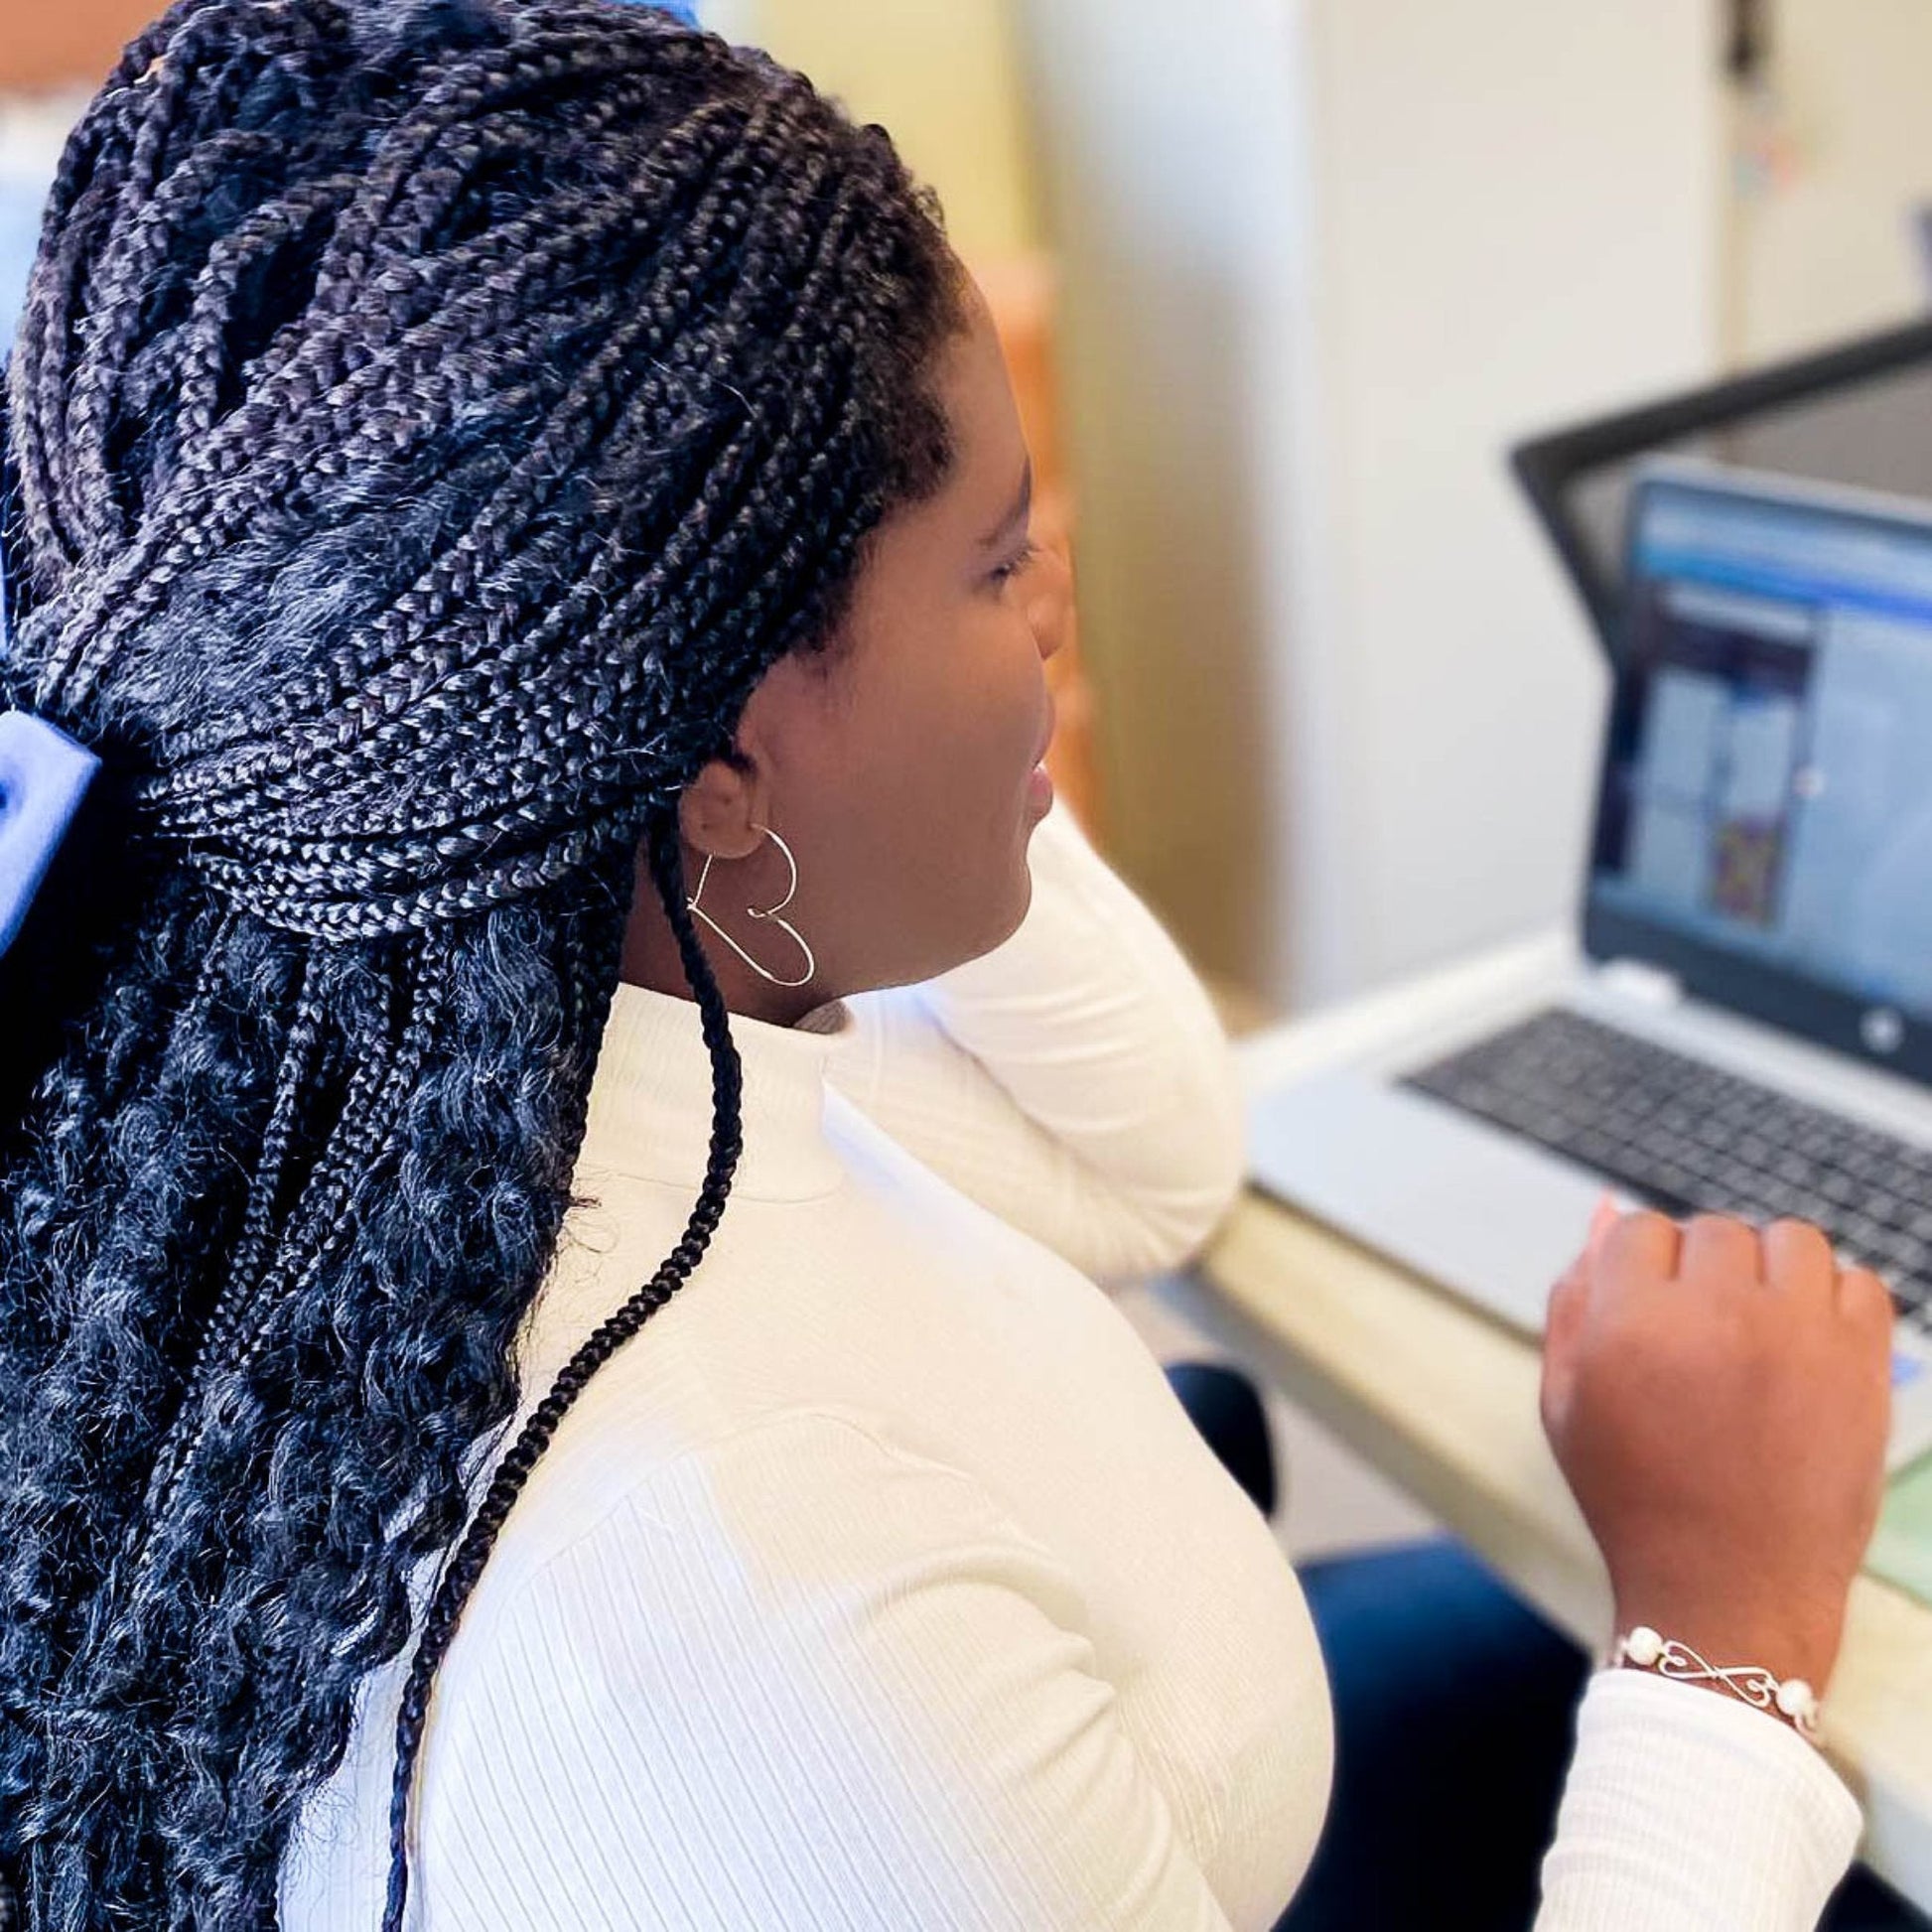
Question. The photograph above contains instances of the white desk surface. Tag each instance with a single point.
(1444, 1401)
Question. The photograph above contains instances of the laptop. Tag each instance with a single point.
(1744, 1024)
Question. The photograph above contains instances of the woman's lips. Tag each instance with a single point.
(1040, 782)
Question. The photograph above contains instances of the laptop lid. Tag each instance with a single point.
(1856, 413)
(1764, 823)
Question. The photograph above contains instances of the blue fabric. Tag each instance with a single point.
(44, 775)
(1453, 1727)
(1226, 1406)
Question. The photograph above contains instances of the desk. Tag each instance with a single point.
(1444, 1401)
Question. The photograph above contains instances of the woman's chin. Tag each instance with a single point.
(1018, 903)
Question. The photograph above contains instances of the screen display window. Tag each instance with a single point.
(1768, 791)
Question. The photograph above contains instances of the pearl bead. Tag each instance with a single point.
(1643, 1646)
(1795, 1697)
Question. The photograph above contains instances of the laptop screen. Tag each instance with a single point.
(1765, 824)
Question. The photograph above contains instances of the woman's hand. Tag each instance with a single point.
(1718, 1402)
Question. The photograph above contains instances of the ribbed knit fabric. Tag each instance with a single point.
(882, 1582)
(1686, 1811)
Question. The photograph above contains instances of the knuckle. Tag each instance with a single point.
(1639, 1245)
(1798, 1257)
(1723, 1251)
(1793, 1243)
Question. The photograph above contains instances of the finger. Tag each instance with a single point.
(1798, 1257)
(1720, 1252)
(1864, 1300)
(1644, 1243)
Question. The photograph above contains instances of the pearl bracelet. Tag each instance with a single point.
(1793, 1700)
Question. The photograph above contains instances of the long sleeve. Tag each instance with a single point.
(1076, 1081)
(808, 1680)
(1687, 1811)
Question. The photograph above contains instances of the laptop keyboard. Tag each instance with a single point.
(1690, 1139)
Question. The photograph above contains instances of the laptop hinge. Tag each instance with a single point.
(1638, 980)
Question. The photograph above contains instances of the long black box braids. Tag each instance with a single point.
(428, 421)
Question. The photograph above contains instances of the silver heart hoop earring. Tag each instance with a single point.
(768, 916)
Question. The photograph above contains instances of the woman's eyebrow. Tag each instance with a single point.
(1023, 503)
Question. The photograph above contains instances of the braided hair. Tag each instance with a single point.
(428, 422)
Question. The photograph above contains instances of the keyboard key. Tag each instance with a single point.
(1690, 1139)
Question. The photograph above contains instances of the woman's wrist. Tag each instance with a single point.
(1790, 1698)
(1787, 1644)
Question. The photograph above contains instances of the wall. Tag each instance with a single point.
(55, 42)
(1831, 250)
(1323, 259)
(940, 73)
(1172, 172)
(33, 128)
(54, 53)
(1524, 207)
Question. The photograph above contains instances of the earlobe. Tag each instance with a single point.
(720, 813)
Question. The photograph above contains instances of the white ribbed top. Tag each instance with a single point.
(882, 1584)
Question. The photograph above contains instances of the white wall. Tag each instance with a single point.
(940, 73)
(1828, 251)
(1324, 259)
(1169, 169)
(1522, 206)
(32, 129)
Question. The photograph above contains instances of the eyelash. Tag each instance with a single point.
(1007, 572)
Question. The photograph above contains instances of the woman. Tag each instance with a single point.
(529, 513)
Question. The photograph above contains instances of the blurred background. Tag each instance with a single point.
(1318, 262)
(1282, 279)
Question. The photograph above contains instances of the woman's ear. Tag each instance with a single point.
(721, 812)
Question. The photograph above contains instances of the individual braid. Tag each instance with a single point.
(456, 1584)
(429, 421)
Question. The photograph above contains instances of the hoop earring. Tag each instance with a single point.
(768, 916)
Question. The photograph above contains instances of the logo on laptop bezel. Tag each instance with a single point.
(1882, 1030)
